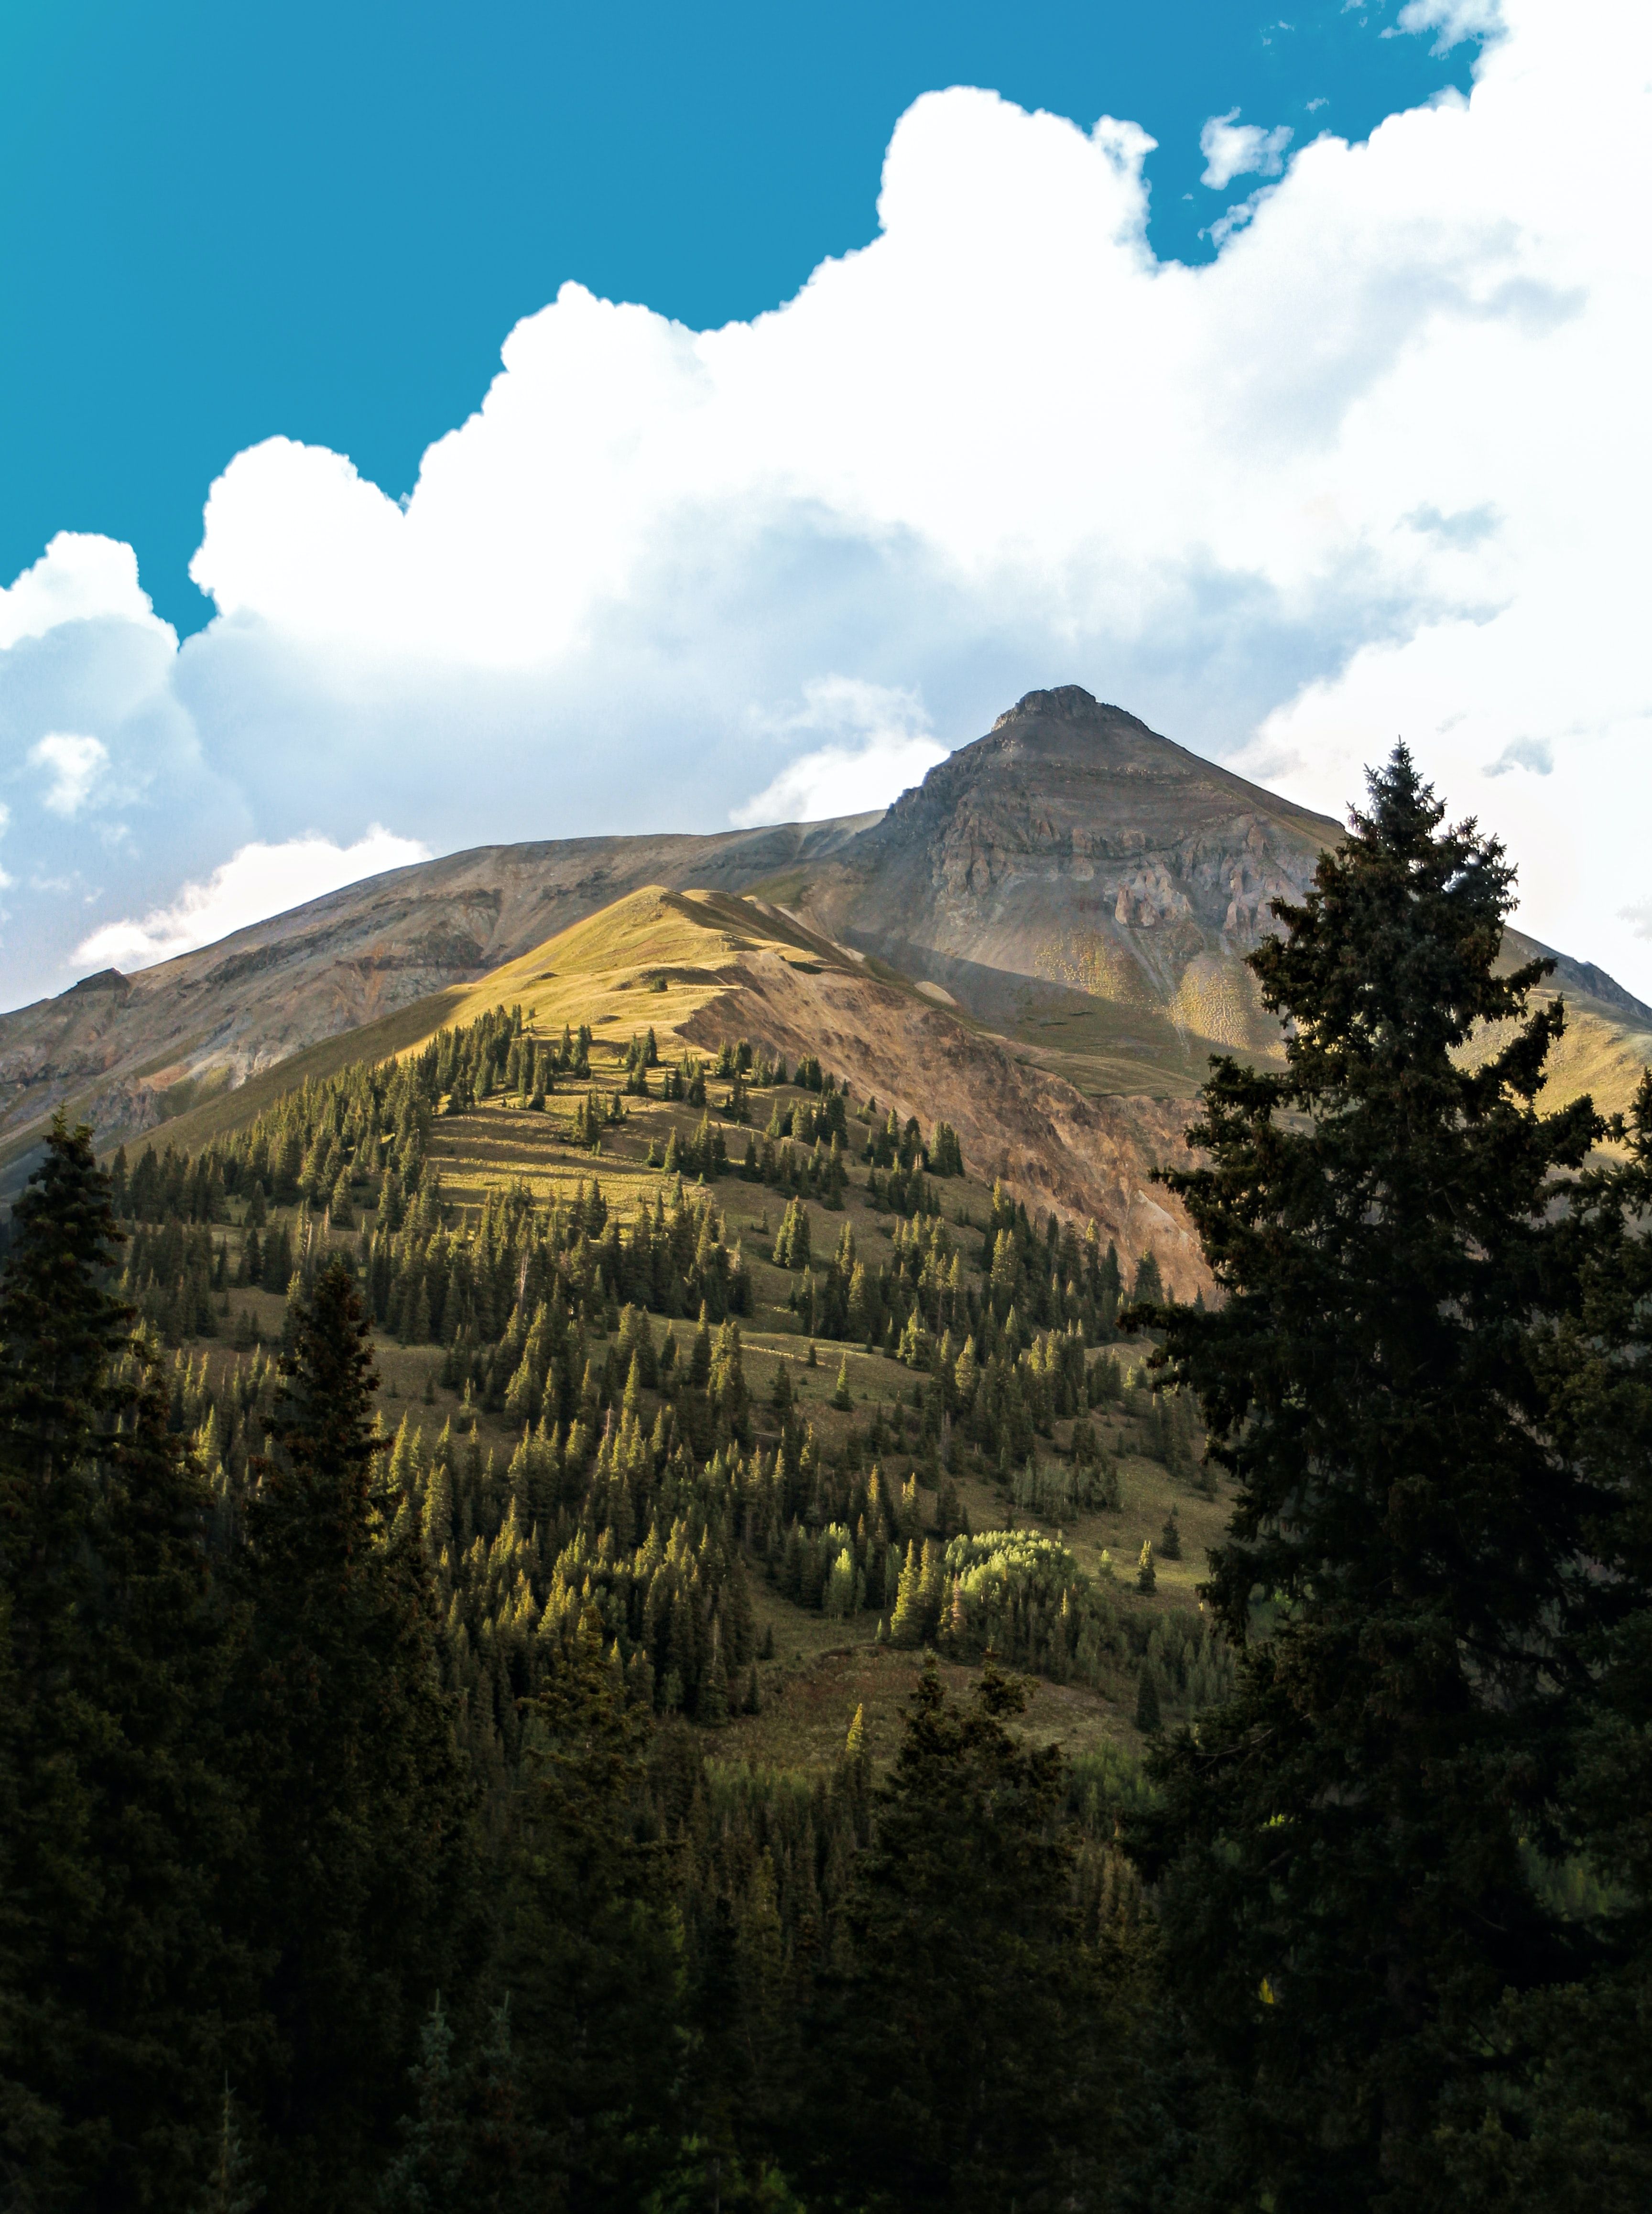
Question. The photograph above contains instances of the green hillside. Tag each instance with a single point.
(949, 1391)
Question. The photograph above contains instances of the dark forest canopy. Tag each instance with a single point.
(363, 1839)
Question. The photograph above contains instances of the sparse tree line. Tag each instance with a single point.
(358, 1141)
(512, 1297)
(360, 1137)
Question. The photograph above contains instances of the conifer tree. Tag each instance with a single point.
(971, 2035)
(842, 1399)
(57, 1333)
(349, 1751)
(170, 1985)
(1386, 1218)
(590, 1939)
(116, 1831)
(730, 1396)
(712, 1704)
(1147, 1719)
(1562, 2120)
(429, 2172)
(232, 2186)
(932, 1586)
(906, 1624)
(1149, 1286)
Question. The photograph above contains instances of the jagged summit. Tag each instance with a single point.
(1067, 702)
(1061, 767)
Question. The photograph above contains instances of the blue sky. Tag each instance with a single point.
(320, 218)
(634, 418)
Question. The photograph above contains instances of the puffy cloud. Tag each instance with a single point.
(79, 578)
(1232, 149)
(1382, 466)
(258, 881)
(73, 762)
(878, 742)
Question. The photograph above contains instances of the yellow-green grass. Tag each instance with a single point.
(809, 1700)
(1598, 1053)
(654, 957)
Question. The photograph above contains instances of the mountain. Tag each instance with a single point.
(1090, 889)
(1046, 936)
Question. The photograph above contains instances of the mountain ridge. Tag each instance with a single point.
(1072, 882)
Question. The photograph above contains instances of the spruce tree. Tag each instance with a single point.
(58, 1332)
(1562, 2120)
(118, 1833)
(170, 1986)
(429, 2170)
(1385, 1217)
(349, 1750)
(906, 1622)
(590, 1944)
(1147, 1718)
(971, 2034)
(231, 2185)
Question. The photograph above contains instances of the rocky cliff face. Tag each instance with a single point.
(1073, 851)
(1135, 831)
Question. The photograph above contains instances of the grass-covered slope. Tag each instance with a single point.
(936, 1361)
(699, 966)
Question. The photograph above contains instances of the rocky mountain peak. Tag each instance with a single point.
(1066, 702)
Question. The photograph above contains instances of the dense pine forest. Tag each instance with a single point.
(440, 1519)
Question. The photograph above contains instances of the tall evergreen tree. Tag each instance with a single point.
(350, 1753)
(58, 1330)
(169, 1984)
(1566, 2122)
(117, 1828)
(972, 2036)
(1346, 1895)
(591, 1949)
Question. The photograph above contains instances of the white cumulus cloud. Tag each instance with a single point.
(258, 881)
(80, 577)
(878, 742)
(1382, 466)
(72, 763)
(1232, 149)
